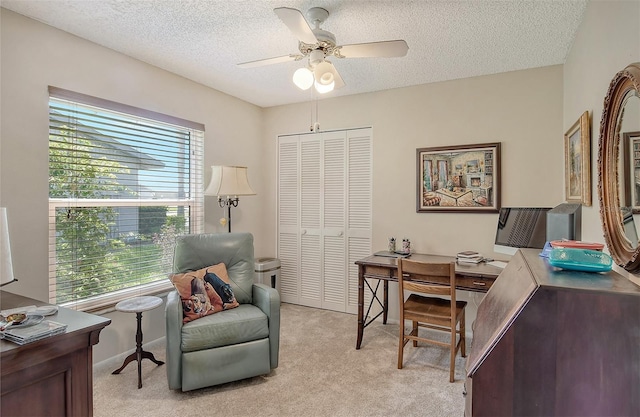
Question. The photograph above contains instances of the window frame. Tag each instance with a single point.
(105, 302)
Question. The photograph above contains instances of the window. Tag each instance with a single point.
(123, 183)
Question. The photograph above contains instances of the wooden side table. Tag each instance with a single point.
(138, 305)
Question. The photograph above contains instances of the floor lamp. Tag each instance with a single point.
(6, 268)
(227, 183)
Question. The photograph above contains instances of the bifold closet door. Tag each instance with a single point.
(324, 216)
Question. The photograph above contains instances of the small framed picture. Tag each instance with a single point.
(577, 162)
(458, 178)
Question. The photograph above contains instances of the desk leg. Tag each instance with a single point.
(360, 305)
(385, 299)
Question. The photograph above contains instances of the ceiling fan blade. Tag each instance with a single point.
(270, 61)
(297, 24)
(337, 78)
(384, 49)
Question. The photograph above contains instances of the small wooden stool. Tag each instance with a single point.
(138, 305)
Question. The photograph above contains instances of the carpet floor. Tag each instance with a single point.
(320, 373)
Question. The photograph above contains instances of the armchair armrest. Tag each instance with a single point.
(267, 299)
(173, 323)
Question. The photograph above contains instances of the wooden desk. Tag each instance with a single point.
(53, 376)
(471, 277)
(553, 342)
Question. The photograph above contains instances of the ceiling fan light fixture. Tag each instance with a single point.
(324, 88)
(303, 78)
(324, 73)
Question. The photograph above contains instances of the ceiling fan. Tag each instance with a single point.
(317, 44)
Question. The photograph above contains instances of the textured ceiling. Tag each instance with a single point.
(203, 40)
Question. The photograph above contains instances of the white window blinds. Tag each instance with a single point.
(123, 183)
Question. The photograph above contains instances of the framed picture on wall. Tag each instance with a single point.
(463, 178)
(577, 162)
(631, 141)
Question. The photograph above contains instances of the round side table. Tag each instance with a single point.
(138, 305)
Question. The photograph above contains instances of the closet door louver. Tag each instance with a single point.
(333, 227)
(288, 218)
(310, 210)
(359, 209)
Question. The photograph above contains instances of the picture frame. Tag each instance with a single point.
(462, 178)
(631, 166)
(577, 162)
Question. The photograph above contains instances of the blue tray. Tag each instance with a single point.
(585, 260)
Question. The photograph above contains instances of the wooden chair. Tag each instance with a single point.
(430, 312)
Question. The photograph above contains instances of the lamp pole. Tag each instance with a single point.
(228, 202)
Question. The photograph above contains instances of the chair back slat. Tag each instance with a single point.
(411, 273)
(426, 288)
(427, 269)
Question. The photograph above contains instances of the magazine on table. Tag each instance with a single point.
(28, 334)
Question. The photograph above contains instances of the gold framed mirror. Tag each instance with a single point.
(623, 89)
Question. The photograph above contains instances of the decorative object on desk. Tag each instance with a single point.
(31, 310)
(228, 181)
(577, 162)
(6, 267)
(631, 175)
(462, 178)
(580, 260)
(14, 319)
(392, 244)
(46, 310)
(20, 320)
(406, 246)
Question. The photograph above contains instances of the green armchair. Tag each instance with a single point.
(232, 344)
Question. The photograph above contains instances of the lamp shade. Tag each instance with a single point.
(6, 268)
(323, 73)
(321, 88)
(227, 181)
(303, 78)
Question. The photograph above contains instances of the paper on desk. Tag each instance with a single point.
(498, 264)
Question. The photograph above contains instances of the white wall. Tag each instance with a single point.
(607, 41)
(521, 109)
(35, 56)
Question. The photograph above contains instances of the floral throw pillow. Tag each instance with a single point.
(203, 292)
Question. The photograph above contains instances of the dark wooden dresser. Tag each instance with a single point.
(551, 342)
(53, 376)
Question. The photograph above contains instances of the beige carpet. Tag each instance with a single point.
(320, 374)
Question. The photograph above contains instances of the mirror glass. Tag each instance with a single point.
(630, 228)
(629, 127)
